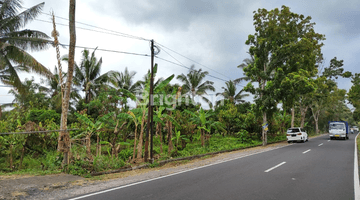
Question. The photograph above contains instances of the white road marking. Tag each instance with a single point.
(306, 151)
(275, 167)
(356, 172)
(328, 140)
(137, 183)
(321, 144)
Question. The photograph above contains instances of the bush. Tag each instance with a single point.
(125, 154)
(43, 115)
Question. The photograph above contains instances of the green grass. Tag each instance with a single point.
(50, 163)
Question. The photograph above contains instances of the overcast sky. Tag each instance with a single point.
(211, 33)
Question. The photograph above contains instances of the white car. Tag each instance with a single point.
(355, 129)
(296, 134)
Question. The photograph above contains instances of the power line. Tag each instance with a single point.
(187, 67)
(82, 47)
(116, 34)
(193, 60)
(119, 33)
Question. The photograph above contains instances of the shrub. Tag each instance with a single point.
(43, 115)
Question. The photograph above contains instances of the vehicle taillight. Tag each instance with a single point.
(287, 134)
(299, 134)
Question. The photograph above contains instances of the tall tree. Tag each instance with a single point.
(284, 46)
(88, 77)
(64, 137)
(14, 42)
(124, 80)
(194, 83)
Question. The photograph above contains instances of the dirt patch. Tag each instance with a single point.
(13, 187)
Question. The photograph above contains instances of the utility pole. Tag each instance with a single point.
(150, 110)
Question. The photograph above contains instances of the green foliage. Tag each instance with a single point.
(43, 115)
(154, 164)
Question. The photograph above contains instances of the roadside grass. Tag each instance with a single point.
(50, 163)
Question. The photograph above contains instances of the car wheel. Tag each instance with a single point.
(289, 142)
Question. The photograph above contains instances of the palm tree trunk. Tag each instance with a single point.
(64, 138)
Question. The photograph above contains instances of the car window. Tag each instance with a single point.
(302, 130)
(293, 130)
(337, 126)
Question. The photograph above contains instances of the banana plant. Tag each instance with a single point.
(201, 118)
(145, 100)
(91, 129)
(115, 148)
(136, 121)
(178, 137)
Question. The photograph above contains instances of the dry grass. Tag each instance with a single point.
(17, 193)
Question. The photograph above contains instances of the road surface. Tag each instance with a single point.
(318, 169)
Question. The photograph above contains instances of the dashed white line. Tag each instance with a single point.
(328, 140)
(321, 144)
(306, 151)
(275, 167)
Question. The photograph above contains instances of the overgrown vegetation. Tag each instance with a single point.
(107, 134)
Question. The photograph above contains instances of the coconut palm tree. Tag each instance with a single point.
(54, 91)
(124, 80)
(14, 43)
(230, 93)
(34, 95)
(194, 83)
(88, 77)
(246, 62)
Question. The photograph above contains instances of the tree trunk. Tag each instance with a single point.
(139, 147)
(264, 134)
(11, 157)
(134, 152)
(97, 145)
(303, 115)
(116, 135)
(64, 138)
(316, 119)
(292, 116)
(158, 130)
(88, 146)
(117, 151)
(169, 128)
(202, 137)
(22, 156)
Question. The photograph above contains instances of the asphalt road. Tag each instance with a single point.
(318, 169)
